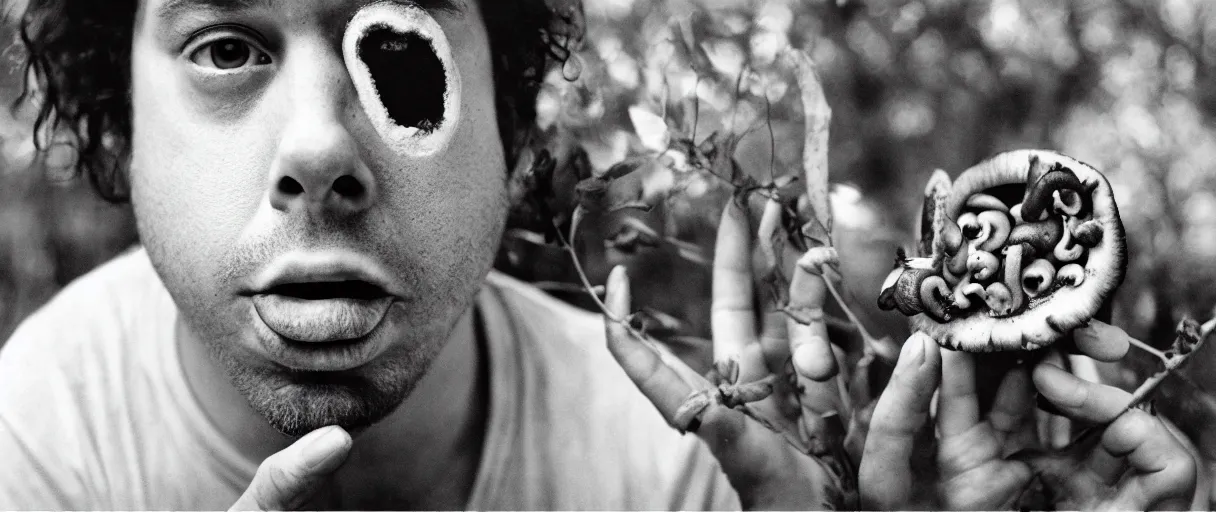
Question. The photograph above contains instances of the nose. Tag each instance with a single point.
(317, 168)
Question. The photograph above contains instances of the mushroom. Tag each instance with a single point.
(1088, 233)
(1064, 233)
(994, 230)
(1013, 277)
(965, 289)
(1038, 277)
(1071, 274)
(982, 265)
(1040, 195)
(986, 202)
(1066, 251)
(901, 289)
(969, 223)
(999, 299)
(1041, 236)
(1067, 202)
(935, 297)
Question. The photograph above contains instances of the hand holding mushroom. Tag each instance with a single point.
(987, 459)
(1014, 254)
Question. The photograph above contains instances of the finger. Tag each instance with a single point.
(775, 341)
(1078, 399)
(733, 312)
(760, 465)
(958, 407)
(1163, 470)
(1012, 407)
(665, 388)
(1108, 468)
(285, 480)
(1102, 341)
(809, 346)
(885, 478)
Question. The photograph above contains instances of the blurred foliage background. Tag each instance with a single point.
(1128, 86)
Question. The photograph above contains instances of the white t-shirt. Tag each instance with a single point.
(95, 412)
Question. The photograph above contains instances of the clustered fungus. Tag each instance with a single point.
(1017, 252)
(403, 70)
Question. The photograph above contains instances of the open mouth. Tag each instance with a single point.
(354, 289)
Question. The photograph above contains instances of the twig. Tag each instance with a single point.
(1171, 365)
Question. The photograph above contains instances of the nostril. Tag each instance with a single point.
(348, 186)
(289, 186)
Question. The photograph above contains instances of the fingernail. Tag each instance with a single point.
(912, 355)
(617, 297)
(329, 442)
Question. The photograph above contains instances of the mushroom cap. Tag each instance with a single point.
(1046, 318)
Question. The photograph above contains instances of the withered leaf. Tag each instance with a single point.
(625, 167)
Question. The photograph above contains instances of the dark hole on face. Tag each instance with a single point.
(408, 75)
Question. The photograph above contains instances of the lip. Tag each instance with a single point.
(327, 333)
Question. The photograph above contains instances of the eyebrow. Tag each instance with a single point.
(171, 9)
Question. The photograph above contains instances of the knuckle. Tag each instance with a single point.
(277, 480)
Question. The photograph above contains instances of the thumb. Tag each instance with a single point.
(288, 478)
(885, 476)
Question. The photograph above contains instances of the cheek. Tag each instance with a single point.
(191, 184)
(454, 204)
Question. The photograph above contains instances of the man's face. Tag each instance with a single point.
(322, 242)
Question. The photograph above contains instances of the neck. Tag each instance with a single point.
(423, 455)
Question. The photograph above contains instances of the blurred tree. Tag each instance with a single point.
(1126, 85)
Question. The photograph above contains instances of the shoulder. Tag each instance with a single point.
(91, 314)
(586, 409)
(58, 373)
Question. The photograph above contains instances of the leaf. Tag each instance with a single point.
(818, 117)
(769, 236)
(632, 235)
(685, 41)
(650, 128)
(625, 167)
(591, 193)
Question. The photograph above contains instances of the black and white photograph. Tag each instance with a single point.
(621, 255)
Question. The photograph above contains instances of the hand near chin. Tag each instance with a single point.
(287, 479)
(995, 460)
(776, 431)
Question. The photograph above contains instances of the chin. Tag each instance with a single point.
(297, 402)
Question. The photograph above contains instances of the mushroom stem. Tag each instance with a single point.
(1067, 202)
(1039, 196)
(1013, 277)
(1038, 277)
(1041, 236)
(1089, 233)
(957, 264)
(1071, 274)
(999, 299)
(1066, 251)
(994, 230)
(986, 202)
(982, 265)
(966, 288)
(933, 296)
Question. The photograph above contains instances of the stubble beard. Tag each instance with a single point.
(298, 402)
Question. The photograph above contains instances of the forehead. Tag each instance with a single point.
(330, 12)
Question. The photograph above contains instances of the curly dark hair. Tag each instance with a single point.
(78, 57)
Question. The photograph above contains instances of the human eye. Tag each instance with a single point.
(227, 50)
